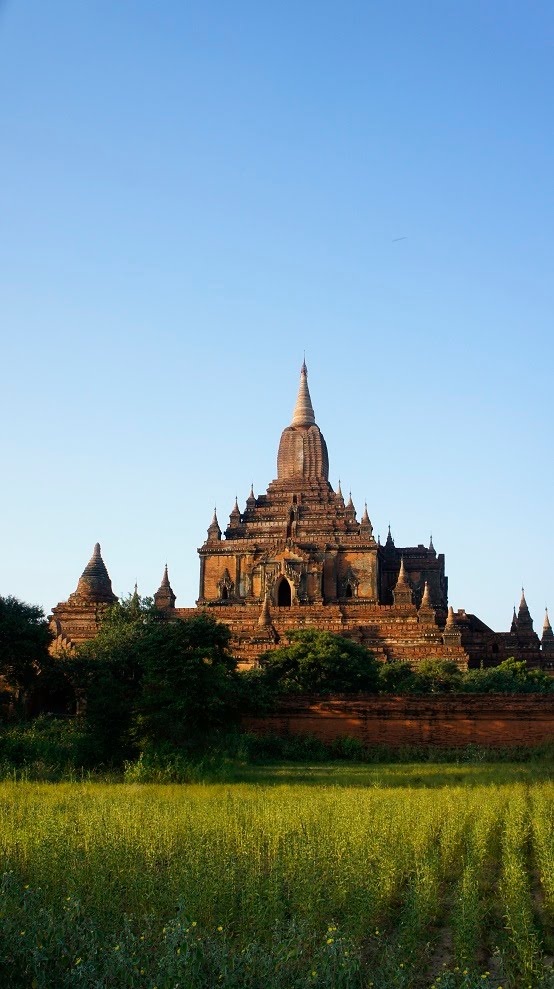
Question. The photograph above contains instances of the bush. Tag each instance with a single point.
(510, 677)
(46, 748)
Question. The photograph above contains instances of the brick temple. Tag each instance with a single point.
(298, 557)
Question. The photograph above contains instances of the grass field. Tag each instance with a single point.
(365, 876)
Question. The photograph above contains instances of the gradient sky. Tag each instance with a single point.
(192, 194)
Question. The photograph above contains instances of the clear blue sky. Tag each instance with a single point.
(193, 193)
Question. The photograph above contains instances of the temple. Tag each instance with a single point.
(297, 556)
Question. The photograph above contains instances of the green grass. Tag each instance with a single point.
(409, 875)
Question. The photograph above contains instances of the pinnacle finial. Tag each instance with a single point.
(546, 624)
(401, 573)
(450, 618)
(214, 532)
(303, 411)
(402, 593)
(431, 547)
(365, 516)
(426, 599)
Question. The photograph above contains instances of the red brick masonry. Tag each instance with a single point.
(460, 719)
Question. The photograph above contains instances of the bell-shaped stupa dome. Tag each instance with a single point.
(302, 450)
(94, 583)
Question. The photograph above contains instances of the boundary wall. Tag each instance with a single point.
(443, 720)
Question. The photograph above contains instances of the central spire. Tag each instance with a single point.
(302, 451)
(303, 411)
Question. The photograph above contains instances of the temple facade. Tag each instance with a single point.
(297, 557)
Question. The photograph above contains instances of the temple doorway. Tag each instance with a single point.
(284, 595)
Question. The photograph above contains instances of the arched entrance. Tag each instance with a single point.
(348, 591)
(284, 594)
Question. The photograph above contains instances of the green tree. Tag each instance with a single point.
(320, 662)
(145, 680)
(107, 673)
(189, 686)
(24, 643)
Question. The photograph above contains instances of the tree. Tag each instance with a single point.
(146, 680)
(25, 639)
(190, 686)
(320, 662)
(107, 673)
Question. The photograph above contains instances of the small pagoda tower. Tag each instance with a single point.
(547, 641)
(164, 598)
(524, 620)
(426, 613)
(78, 618)
(452, 635)
(214, 532)
(366, 528)
(403, 596)
(234, 521)
(528, 642)
(94, 584)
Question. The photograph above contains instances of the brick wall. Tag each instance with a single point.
(461, 719)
